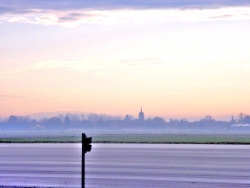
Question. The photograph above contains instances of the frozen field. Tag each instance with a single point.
(125, 165)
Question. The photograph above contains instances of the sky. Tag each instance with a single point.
(176, 59)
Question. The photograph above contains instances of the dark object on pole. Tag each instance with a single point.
(86, 147)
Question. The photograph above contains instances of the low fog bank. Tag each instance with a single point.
(94, 124)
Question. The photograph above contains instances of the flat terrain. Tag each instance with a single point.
(125, 165)
(127, 138)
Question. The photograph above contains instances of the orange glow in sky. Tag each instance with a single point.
(179, 63)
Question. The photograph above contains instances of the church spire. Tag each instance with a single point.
(141, 115)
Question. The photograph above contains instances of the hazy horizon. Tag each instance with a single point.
(42, 115)
(178, 59)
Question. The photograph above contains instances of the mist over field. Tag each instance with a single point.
(67, 128)
(108, 123)
(161, 86)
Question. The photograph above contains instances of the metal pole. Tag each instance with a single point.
(83, 161)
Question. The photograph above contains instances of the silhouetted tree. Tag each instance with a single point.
(247, 119)
(12, 119)
(67, 121)
(208, 118)
(159, 121)
(241, 117)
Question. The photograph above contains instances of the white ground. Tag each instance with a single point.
(125, 165)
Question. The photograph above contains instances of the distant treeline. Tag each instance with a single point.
(107, 122)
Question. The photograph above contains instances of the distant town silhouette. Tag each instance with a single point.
(103, 122)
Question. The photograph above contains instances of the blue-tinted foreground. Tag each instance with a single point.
(125, 165)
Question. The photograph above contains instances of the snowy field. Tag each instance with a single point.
(125, 165)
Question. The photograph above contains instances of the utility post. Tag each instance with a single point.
(86, 147)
